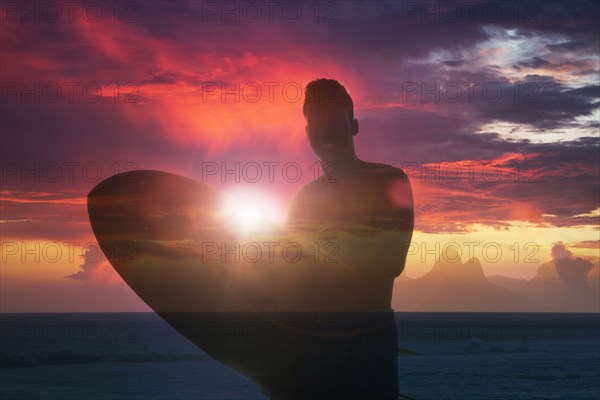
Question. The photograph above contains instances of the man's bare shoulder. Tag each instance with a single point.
(321, 185)
(384, 170)
(307, 192)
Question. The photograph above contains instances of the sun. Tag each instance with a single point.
(249, 210)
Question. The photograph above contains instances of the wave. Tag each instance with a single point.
(476, 346)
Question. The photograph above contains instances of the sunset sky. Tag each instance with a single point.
(504, 154)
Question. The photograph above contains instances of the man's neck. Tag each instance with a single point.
(342, 165)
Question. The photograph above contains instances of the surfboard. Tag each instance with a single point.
(280, 306)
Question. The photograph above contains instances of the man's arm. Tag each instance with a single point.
(401, 196)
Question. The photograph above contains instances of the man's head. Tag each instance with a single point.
(330, 123)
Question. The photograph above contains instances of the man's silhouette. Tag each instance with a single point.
(367, 209)
(354, 196)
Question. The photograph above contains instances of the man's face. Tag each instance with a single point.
(330, 130)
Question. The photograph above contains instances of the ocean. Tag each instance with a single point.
(441, 356)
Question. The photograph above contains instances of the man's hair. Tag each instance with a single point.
(327, 91)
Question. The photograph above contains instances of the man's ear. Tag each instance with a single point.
(306, 131)
(354, 127)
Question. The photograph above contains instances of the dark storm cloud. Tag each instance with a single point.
(535, 63)
(567, 46)
(406, 135)
(162, 77)
(455, 63)
(578, 20)
(543, 102)
(486, 95)
(74, 146)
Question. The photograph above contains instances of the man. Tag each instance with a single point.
(367, 206)
(366, 209)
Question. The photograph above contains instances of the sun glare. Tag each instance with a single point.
(251, 211)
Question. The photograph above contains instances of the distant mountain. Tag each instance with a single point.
(546, 287)
(512, 284)
(457, 286)
(576, 290)
(594, 280)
